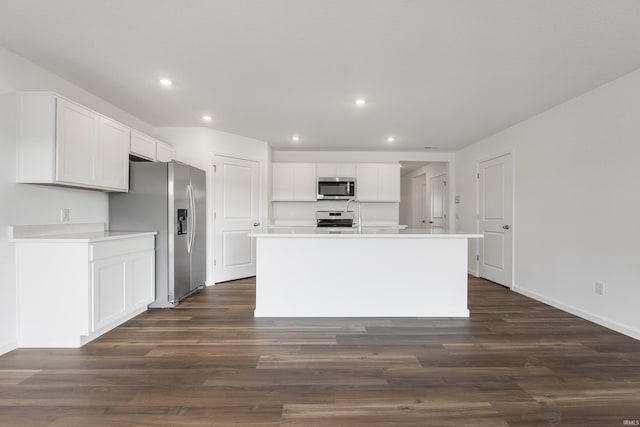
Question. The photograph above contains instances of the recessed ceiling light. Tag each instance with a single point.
(207, 118)
(360, 102)
(391, 139)
(295, 138)
(165, 82)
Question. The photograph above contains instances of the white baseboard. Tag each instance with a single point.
(8, 346)
(602, 321)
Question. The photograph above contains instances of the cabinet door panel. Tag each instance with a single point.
(77, 143)
(283, 177)
(143, 146)
(367, 183)
(165, 152)
(142, 280)
(389, 183)
(114, 158)
(109, 291)
(336, 170)
(326, 171)
(305, 183)
(346, 171)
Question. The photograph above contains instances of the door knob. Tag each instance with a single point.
(256, 224)
(506, 227)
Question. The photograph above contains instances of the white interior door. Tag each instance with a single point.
(495, 217)
(424, 215)
(236, 213)
(438, 201)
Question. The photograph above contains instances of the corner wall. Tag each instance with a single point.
(576, 203)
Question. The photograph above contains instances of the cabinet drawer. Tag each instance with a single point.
(101, 250)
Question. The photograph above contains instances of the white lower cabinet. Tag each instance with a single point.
(81, 290)
(108, 293)
(120, 285)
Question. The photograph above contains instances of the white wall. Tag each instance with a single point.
(576, 202)
(197, 146)
(37, 204)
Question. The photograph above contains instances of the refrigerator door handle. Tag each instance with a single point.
(194, 218)
(192, 221)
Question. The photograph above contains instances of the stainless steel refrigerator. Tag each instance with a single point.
(169, 198)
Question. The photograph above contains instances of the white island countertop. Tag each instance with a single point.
(366, 232)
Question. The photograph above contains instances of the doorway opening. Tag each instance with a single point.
(424, 200)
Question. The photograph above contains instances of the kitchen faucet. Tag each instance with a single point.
(359, 212)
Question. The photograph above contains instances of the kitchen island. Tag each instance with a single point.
(375, 272)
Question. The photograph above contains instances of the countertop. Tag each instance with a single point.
(367, 232)
(70, 233)
(88, 237)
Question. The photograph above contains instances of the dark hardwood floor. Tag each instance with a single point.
(514, 362)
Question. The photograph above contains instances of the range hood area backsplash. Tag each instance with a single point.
(304, 213)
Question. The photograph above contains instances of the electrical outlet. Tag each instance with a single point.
(600, 288)
(65, 215)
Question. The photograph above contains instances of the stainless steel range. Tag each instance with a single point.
(334, 218)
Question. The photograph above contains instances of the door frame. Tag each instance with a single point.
(211, 205)
(497, 154)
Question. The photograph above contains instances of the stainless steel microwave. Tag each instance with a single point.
(336, 188)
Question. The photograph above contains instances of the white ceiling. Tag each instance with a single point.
(441, 73)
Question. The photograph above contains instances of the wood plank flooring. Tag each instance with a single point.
(514, 362)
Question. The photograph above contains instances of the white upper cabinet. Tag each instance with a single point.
(164, 152)
(61, 142)
(294, 182)
(342, 170)
(367, 183)
(113, 169)
(143, 145)
(378, 182)
(147, 147)
(305, 183)
(389, 183)
(77, 144)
